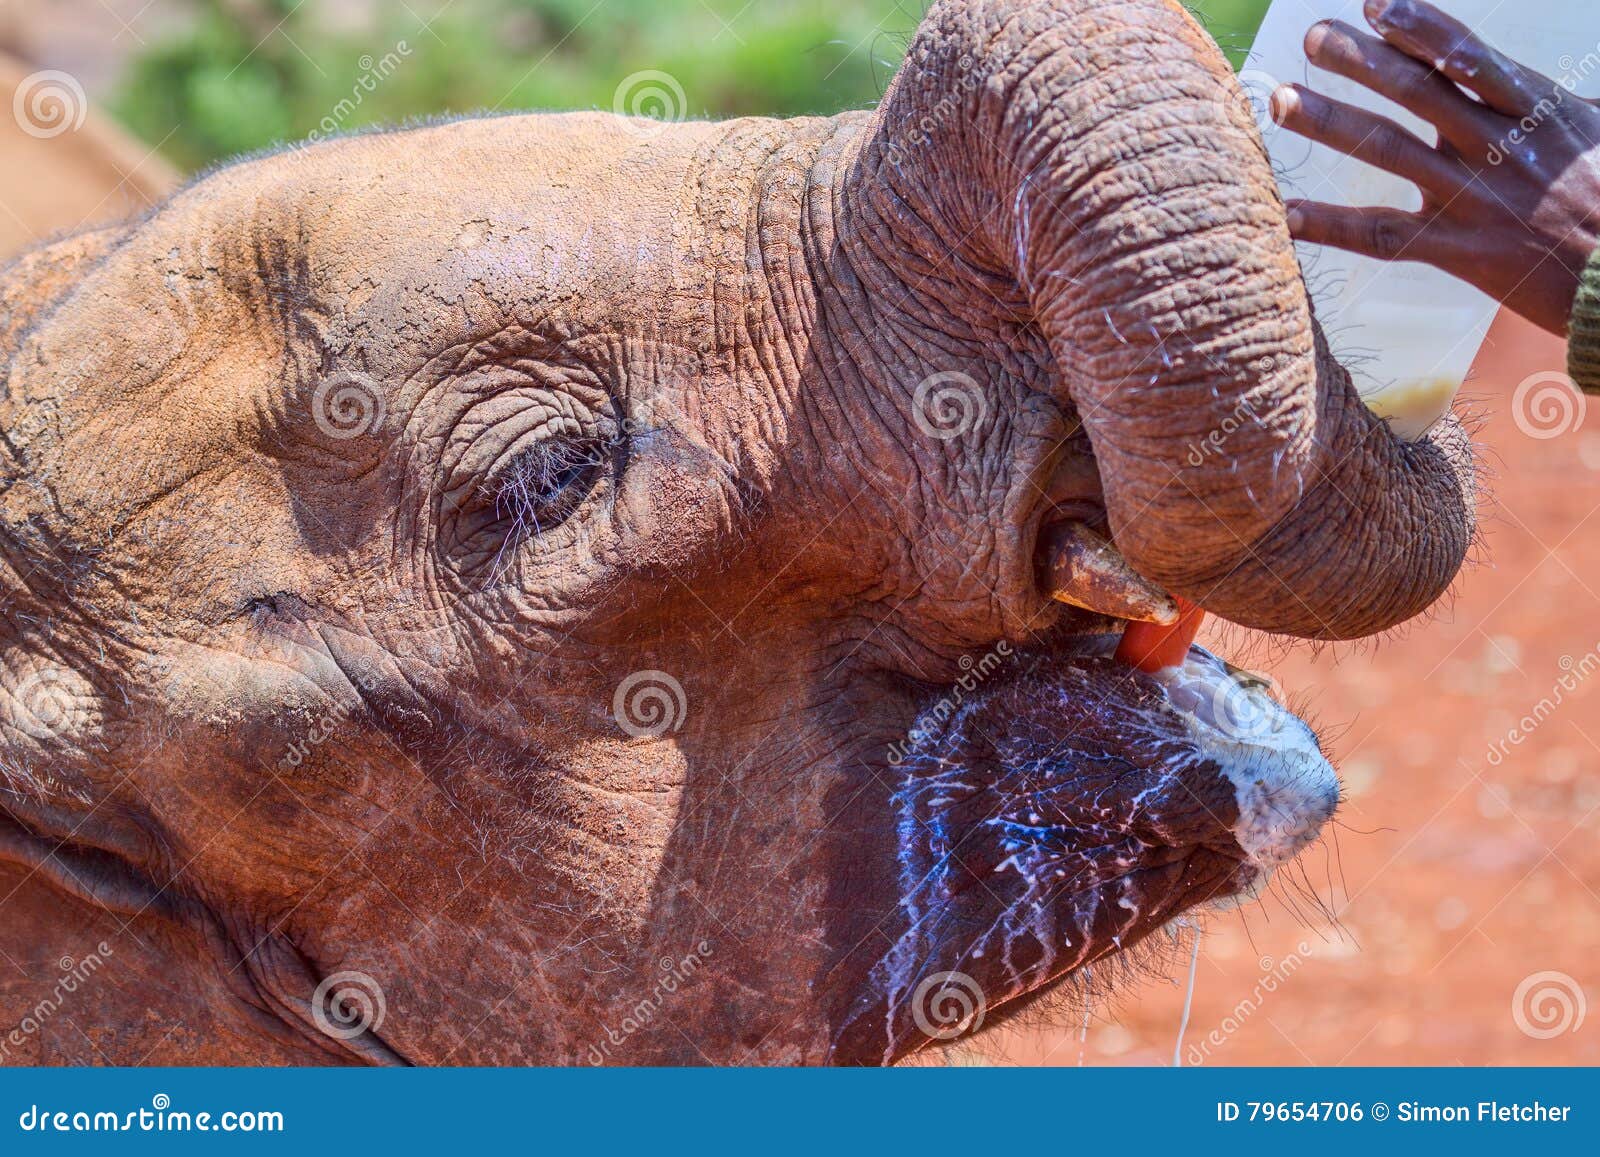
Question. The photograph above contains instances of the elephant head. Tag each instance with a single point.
(567, 587)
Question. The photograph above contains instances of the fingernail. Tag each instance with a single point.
(1320, 35)
(1285, 100)
(1382, 14)
(1297, 219)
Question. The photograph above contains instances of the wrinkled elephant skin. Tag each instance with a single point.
(567, 589)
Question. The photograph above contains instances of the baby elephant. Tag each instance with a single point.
(575, 589)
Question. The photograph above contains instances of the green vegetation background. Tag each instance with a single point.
(251, 73)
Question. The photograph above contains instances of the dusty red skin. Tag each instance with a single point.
(339, 355)
(1151, 647)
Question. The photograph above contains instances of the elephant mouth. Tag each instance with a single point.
(1060, 815)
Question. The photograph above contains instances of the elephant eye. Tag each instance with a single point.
(540, 486)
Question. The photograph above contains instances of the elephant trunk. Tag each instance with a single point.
(1129, 198)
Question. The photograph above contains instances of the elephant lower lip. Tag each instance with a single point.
(1059, 814)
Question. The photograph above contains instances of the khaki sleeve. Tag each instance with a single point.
(1583, 342)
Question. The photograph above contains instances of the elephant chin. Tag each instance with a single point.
(1059, 817)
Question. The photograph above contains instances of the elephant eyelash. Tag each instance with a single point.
(543, 485)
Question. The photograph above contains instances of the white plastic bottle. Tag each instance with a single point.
(1408, 332)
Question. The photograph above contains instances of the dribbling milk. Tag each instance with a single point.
(1409, 333)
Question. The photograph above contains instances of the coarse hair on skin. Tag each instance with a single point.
(1066, 1009)
(1096, 993)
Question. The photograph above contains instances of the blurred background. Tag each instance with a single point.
(1451, 917)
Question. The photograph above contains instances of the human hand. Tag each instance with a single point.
(1511, 189)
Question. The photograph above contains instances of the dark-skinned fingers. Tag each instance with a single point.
(1453, 49)
(1378, 141)
(1344, 51)
(1386, 234)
